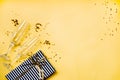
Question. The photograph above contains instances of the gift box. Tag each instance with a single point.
(28, 69)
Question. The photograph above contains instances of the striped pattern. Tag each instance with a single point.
(32, 73)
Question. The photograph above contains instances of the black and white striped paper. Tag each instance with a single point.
(33, 73)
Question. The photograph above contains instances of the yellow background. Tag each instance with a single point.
(83, 30)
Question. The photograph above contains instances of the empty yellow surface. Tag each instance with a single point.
(86, 34)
